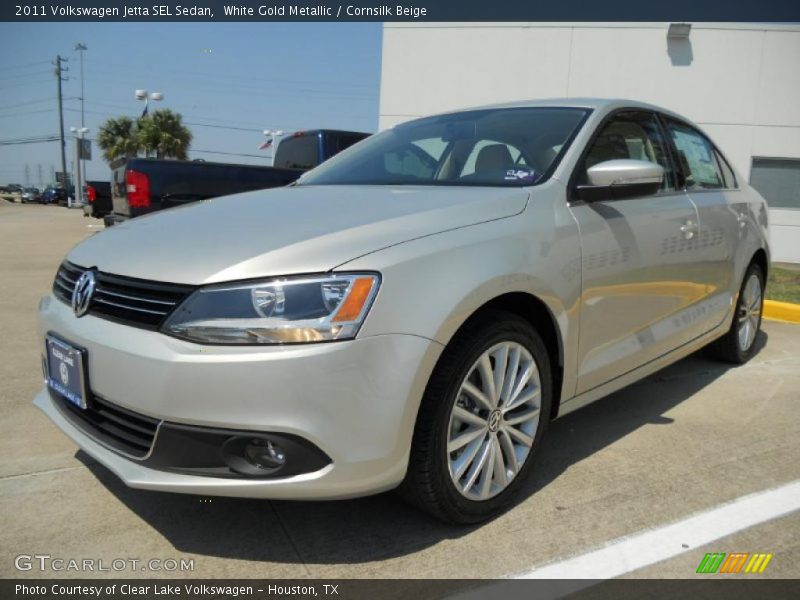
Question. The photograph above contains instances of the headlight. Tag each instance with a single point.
(279, 311)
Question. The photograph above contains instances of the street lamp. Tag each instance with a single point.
(81, 47)
(79, 133)
(275, 134)
(146, 97)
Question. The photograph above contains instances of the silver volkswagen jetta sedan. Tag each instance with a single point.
(412, 313)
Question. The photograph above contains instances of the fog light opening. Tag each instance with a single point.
(264, 454)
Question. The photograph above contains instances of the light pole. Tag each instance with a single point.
(144, 96)
(275, 134)
(81, 47)
(79, 133)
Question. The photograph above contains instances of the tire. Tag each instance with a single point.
(438, 481)
(737, 346)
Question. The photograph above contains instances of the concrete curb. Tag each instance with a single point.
(782, 311)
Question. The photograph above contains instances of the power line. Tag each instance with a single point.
(257, 85)
(28, 112)
(29, 102)
(33, 64)
(249, 77)
(193, 123)
(127, 108)
(29, 141)
(24, 83)
(17, 77)
(212, 126)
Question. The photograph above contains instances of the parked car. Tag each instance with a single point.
(31, 194)
(143, 185)
(12, 192)
(54, 195)
(412, 313)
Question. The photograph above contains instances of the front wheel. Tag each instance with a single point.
(481, 420)
(739, 343)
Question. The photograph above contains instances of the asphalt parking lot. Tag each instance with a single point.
(686, 440)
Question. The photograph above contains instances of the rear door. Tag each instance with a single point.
(639, 285)
(722, 209)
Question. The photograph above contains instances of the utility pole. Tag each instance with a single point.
(27, 175)
(59, 79)
(39, 173)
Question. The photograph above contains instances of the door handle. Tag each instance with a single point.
(742, 220)
(688, 229)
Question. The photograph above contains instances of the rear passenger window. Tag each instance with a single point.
(727, 172)
(697, 158)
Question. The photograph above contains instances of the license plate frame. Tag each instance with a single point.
(66, 370)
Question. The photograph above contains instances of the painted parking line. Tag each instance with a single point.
(652, 546)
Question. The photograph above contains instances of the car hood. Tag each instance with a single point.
(299, 229)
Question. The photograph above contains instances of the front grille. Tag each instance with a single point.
(115, 427)
(131, 301)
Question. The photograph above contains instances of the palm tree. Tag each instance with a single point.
(163, 133)
(119, 138)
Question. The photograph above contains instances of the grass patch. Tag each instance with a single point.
(784, 285)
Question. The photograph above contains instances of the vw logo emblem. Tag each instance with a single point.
(83, 292)
(494, 420)
(63, 371)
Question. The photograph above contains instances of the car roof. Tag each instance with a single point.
(600, 104)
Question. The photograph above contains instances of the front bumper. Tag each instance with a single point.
(356, 401)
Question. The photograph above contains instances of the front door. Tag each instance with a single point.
(639, 286)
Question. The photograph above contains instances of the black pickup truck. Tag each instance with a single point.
(141, 186)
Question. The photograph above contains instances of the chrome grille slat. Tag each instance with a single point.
(65, 287)
(72, 269)
(128, 307)
(106, 292)
(134, 302)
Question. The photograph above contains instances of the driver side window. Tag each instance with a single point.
(631, 135)
(418, 160)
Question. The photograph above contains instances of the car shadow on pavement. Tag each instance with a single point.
(383, 526)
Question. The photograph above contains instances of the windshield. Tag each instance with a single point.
(490, 147)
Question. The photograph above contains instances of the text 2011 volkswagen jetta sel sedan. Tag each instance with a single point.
(412, 314)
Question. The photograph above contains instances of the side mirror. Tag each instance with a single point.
(621, 178)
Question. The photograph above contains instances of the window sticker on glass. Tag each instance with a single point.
(697, 154)
(521, 174)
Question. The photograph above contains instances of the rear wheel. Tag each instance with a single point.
(739, 343)
(482, 417)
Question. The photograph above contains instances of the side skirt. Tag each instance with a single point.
(643, 371)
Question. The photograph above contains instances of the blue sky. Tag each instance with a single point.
(230, 81)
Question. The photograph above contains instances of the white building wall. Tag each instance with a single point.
(739, 82)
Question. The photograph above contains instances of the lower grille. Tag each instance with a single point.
(136, 302)
(112, 426)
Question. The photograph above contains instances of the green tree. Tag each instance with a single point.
(119, 138)
(163, 133)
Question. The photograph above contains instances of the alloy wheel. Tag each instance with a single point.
(749, 314)
(493, 421)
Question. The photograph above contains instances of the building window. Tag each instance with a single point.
(778, 180)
